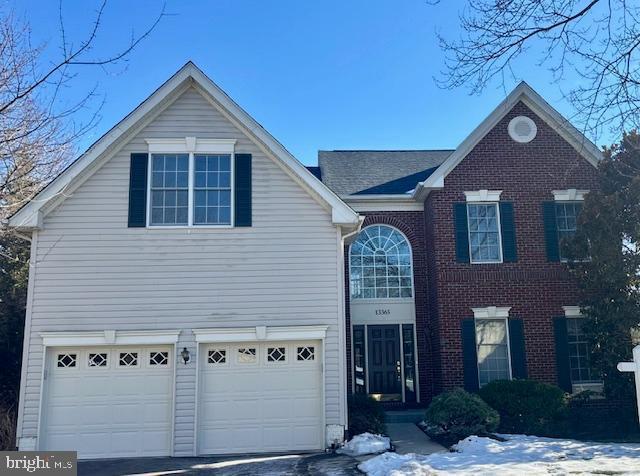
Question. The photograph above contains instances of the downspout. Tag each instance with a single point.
(342, 328)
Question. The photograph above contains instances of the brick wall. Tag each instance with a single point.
(534, 288)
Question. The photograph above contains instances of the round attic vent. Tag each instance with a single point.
(522, 129)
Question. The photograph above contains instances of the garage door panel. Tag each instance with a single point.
(272, 404)
(112, 410)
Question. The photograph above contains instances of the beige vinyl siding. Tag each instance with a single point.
(94, 273)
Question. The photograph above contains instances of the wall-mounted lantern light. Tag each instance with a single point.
(186, 356)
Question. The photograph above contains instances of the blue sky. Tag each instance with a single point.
(330, 74)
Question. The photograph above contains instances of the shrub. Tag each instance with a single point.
(526, 406)
(365, 415)
(454, 415)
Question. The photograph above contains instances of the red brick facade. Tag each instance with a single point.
(534, 288)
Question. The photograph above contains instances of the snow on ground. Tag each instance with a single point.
(365, 444)
(518, 455)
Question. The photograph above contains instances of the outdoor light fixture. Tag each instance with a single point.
(185, 355)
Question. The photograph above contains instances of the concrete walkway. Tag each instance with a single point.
(408, 438)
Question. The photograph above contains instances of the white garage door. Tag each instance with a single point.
(260, 397)
(108, 402)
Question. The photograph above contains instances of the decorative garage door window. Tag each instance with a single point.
(158, 358)
(380, 264)
(217, 356)
(97, 360)
(306, 353)
(276, 354)
(128, 359)
(66, 360)
(247, 355)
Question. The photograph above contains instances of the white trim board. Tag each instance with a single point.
(185, 145)
(570, 195)
(490, 312)
(383, 203)
(31, 215)
(260, 333)
(483, 196)
(525, 93)
(108, 337)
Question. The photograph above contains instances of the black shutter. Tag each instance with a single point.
(508, 231)
(469, 355)
(550, 231)
(517, 349)
(242, 189)
(462, 232)
(138, 190)
(562, 353)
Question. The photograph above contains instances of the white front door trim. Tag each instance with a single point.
(109, 337)
(250, 334)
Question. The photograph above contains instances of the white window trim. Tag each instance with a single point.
(483, 196)
(252, 334)
(108, 337)
(190, 146)
(574, 312)
(493, 313)
(499, 218)
(569, 195)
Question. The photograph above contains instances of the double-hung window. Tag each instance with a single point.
(579, 355)
(169, 189)
(212, 189)
(190, 186)
(492, 347)
(566, 225)
(484, 232)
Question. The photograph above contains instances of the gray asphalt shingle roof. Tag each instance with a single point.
(348, 172)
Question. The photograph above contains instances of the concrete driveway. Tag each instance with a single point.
(289, 465)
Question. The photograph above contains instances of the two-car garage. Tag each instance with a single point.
(118, 401)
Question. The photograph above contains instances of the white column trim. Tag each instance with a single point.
(490, 312)
(483, 196)
(569, 195)
(109, 337)
(252, 334)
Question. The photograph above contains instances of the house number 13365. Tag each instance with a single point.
(383, 312)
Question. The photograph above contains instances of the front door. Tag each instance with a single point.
(385, 375)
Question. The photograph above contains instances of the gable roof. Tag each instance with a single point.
(525, 93)
(30, 216)
(350, 172)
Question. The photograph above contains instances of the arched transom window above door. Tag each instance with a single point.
(380, 264)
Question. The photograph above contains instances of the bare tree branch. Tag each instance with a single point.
(592, 45)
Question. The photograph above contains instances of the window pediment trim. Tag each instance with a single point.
(572, 311)
(491, 312)
(191, 145)
(569, 195)
(483, 195)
